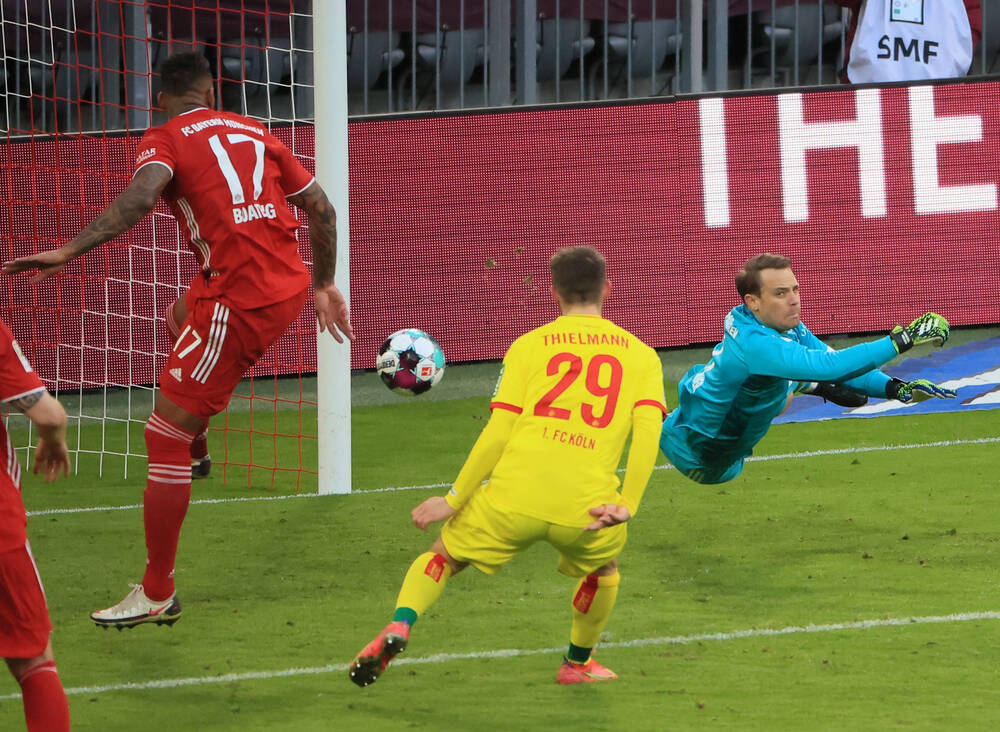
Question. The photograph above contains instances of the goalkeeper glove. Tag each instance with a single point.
(916, 391)
(928, 328)
(839, 394)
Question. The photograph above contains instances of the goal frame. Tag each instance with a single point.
(333, 360)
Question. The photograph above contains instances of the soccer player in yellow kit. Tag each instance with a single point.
(568, 396)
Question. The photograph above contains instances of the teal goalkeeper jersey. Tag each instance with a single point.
(727, 405)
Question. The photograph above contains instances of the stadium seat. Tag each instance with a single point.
(806, 35)
(648, 42)
(372, 42)
(255, 49)
(369, 55)
(451, 54)
(634, 49)
(561, 41)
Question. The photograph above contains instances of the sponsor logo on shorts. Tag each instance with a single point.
(177, 374)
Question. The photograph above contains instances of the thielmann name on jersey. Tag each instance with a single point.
(585, 339)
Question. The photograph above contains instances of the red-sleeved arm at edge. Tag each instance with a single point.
(17, 378)
(156, 146)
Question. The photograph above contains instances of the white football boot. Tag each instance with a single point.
(136, 608)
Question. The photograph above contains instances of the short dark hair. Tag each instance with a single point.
(748, 278)
(182, 72)
(578, 274)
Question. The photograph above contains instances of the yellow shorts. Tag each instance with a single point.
(487, 538)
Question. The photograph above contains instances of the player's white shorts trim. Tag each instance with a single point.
(13, 464)
(216, 337)
(23, 394)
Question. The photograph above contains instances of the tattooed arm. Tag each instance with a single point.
(49, 417)
(322, 231)
(331, 306)
(124, 212)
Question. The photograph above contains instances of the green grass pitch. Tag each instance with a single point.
(280, 594)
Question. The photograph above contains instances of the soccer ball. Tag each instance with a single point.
(410, 362)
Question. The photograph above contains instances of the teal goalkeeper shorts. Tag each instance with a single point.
(674, 444)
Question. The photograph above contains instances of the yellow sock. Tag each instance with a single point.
(593, 601)
(423, 584)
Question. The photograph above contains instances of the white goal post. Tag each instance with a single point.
(333, 360)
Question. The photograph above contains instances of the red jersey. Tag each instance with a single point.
(17, 379)
(230, 181)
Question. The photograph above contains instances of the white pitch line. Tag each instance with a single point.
(429, 486)
(874, 448)
(521, 652)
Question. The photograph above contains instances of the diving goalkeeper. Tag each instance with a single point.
(767, 355)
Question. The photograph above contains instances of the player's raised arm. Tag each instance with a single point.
(122, 214)
(331, 307)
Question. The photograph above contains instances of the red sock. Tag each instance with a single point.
(168, 491)
(199, 446)
(45, 705)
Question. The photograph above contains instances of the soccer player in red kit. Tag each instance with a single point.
(24, 616)
(226, 179)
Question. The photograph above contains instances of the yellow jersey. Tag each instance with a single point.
(574, 384)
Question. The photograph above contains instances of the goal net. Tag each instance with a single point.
(78, 89)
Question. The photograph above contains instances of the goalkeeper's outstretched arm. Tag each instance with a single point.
(783, 358)
(929, 328)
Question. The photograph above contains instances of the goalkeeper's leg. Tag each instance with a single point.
(201, 461)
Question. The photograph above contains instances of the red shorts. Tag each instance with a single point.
(217, 346)
(24, 616)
